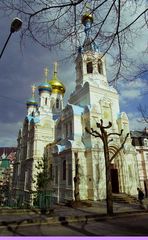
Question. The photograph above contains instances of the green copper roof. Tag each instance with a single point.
(5, 163)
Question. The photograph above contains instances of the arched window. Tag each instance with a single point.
(66, 129)
(146, 155)
(64, 170)
(52, 103)
(70, 128)
(26, 181)
(57, 103)
(56, 174)
(100, 66)
(89, 67)
(32, 114)
(45, 101)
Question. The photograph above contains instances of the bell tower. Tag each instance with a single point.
(90, 63)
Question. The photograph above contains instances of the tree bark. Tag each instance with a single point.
(76, 179)
(109, 200)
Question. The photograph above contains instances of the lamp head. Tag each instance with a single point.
(16, 25)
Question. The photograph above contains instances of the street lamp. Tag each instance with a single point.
(15, 26)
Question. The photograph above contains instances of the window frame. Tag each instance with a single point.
(100, 66)
(64, 170)
(89, 67)
(57, 103)
(145, 142)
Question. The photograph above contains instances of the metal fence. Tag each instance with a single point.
(42, 200)
(45, 200)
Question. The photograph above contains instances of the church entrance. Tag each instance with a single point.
(146, 187)
(114, 180)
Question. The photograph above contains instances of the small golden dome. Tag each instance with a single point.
(87, 17)
(56, 84)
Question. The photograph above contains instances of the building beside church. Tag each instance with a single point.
(140, 142)
(59, 132)
(7, 158)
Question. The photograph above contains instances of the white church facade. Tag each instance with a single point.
(59, 132)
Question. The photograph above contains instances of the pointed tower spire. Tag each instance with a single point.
(87, 20)
(89, 44)
(90, 62)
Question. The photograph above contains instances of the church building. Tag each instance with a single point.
(58, 132)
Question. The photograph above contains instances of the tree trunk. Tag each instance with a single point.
(109, 200)
(76, 179)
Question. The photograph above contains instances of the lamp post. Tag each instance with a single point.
(15, 27)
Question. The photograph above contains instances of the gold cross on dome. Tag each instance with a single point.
(33, 89)
(46, 71)
(55, 67)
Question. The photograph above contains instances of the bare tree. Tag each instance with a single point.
(105, 137)
(58, 23)
(144, 113)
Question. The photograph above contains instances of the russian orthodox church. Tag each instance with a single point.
(59, 133)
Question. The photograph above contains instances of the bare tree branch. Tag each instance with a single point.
(144, 113)
(118, 134)
(120, 148)
(93, 132)
(55, 24)
(100, 125)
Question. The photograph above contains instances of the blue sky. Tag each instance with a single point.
(19, 69)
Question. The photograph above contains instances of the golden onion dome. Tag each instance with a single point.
(87, 17)
(56, 84)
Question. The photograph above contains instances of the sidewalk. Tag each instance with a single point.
(99, 209)
(97, 212)
(63, 214)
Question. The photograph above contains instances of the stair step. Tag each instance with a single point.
(125, 198)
